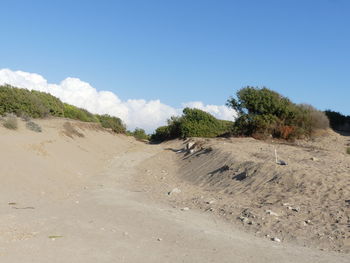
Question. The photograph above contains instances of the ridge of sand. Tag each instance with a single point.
(305, 202)
(75, 195)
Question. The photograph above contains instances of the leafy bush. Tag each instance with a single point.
(10, 122)
(111, 122)
(198, 123)
(263, 112)
(337, 120)
(161, 134)
(140, 134)
(33, 126)
(53, 106)
(193, 123)
(348, 150)
(35, 104)
(75, 113)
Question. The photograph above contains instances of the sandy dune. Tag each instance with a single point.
(91, 196)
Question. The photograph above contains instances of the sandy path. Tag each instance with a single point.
(106, 222)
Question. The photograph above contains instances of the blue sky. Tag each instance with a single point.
(180, 51)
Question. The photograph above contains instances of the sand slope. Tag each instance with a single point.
(305, 202)
(67, 198)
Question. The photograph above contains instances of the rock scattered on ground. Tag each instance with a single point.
(174, 191)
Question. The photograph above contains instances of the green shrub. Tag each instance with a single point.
(140, 134)
(198, 123)
(111, 122)
(263, 112)
(193, 123)
(348, 150)
(20, 101)
(337, 120)
(75, 113)
(33, 126)
(54, 106)
(161, 134)
(35, 104)
(11, 122)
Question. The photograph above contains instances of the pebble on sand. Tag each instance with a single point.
(174, 191)
(276, 239)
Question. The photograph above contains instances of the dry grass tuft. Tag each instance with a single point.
(71, 131)
(33, 126)
(10, 122)
(348, 150)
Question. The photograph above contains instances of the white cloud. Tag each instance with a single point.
(134, 112)
(219, 111)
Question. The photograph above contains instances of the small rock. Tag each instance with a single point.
(211, 209)
(245, 220)
(174, 191)
(296, 209)
(269, 212)
(276, 239)
(210, 202)
(159, 239)
(281, 162)
(314, 159)
(189, 145)
(286, 204)
(185, 209)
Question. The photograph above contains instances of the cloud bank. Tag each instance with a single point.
(134, 112)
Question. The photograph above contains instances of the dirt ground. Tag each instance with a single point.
(306, 202)
(75, 193)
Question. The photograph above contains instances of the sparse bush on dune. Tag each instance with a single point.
(71, 131)
(263, 112)
(337, 120)
(198, 123)
(53, 105)
(140, 134)
(10, 122)
(35, 104)
(162, 133)
(20, 101)
(111, 122)
(75, 113)
(193, 123)
(33, 126)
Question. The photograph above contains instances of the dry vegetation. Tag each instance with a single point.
(10, 122)
(70, 131)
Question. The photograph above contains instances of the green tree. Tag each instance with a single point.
(264, 112)
(112, 122)
(192, 123)
(140, 134)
